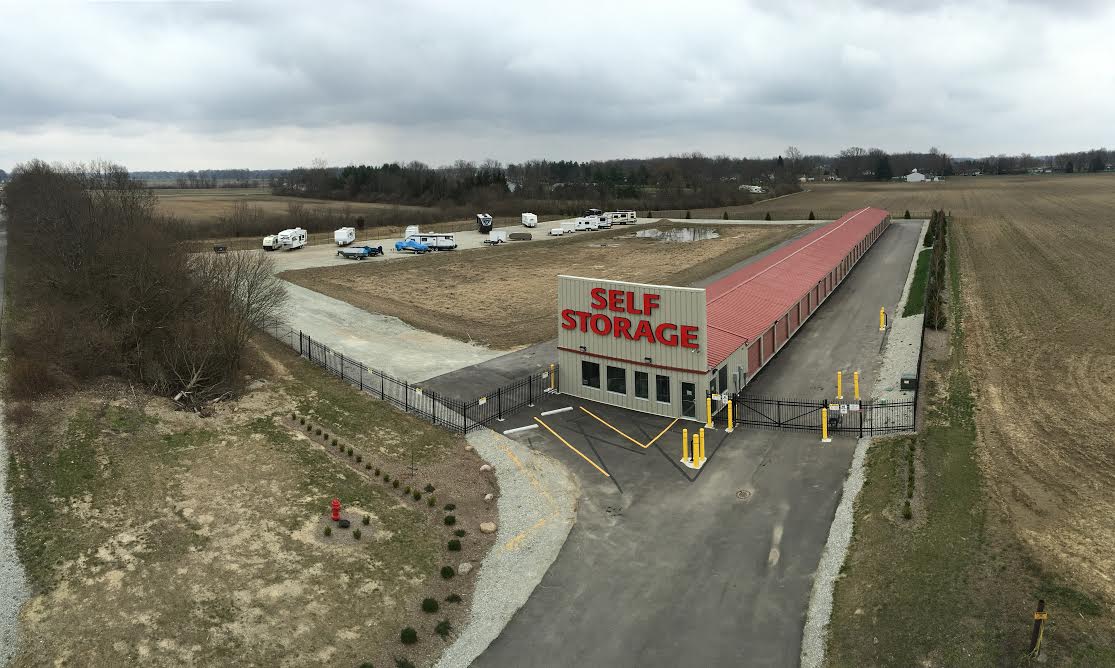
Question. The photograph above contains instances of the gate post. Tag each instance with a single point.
(406, 396)
(825, 426)
(530, 390)
(499, 404)
(300, 343)
(731, 424)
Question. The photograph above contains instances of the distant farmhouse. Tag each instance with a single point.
(915, 177)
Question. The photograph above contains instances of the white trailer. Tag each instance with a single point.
(530, 220)
(271, 242)
(496, 237)
(434, 241)
(344, 236)
(557, 231)
(292, 238)
(622, 217)
(410, 231)
(570, 226)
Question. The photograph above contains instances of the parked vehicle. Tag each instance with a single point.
(530, 220)
(622, 217)
(360, 252)
(483, 223)
(293, 238)
(557, 231)
(220, 249)
(435, 241)
(410, 231)
(271, 242)
(584, 224)
(345, 236)
(411, 246)
(570, 226)
(520, 236)
(496, 237)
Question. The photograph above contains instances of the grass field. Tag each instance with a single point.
(158, 537)
(1019, 505)
(212, 203)
(506, 297)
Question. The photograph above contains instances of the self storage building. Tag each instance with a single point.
(658, 348)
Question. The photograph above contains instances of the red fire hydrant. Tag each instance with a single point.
(335, 504)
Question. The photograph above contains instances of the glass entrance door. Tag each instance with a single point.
(689, 400)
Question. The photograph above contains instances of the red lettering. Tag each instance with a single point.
(604, 322)
(583, 317)
(622, 327)
(567, 321)
(688, 336)
(599, 301)
(615, 300)
(650, 302)
(644, 331)
(664, 338)
(631, 308)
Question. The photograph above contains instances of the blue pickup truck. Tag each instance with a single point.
(410, 245)
(360, 252)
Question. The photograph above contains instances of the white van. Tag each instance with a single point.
(622, 217)
(434, 241)
(530, 220)
(570, 226)
(293, 238)
(345, 236)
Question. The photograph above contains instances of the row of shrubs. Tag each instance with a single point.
(935, 316)
(907, 513)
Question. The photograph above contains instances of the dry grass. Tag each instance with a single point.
(155, 537)
(212, 203)
(470, 299)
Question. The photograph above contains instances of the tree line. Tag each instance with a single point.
(99, 286)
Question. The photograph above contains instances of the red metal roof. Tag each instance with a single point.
(744, 304)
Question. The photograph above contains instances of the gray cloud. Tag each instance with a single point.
(241, 84)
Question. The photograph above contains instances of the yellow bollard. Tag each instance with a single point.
(855, 384)
(839, 384)
(684, 444)
(702, 460)
(551, 377)
(708, 411)
(882, 319)
(730, 423)
(825, 426)
(696, 449)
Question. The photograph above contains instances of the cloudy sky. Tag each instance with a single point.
(213, 85)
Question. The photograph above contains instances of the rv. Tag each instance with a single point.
(583, 224)
(570, 226)
(483, 223)
(621, 217)
(293, 238)
(345, 236)
(530, 220)
(597, 219)
(434, 241)
(410, 231)
(271, 242)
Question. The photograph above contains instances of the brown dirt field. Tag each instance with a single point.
(210, 204)
(507, 297)
(157, 537)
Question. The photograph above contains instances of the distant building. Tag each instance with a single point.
(915, 177)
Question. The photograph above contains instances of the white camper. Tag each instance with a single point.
(530, 220)
(410, 231)
(483, 223)
(571, 226)
(434, 241)
(345, 236)
(293, 238)
(621, 217)
(271, 242)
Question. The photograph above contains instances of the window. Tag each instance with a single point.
(642, 385)
(617, 380)
(590, 374)
(662, 388)
(723, 379)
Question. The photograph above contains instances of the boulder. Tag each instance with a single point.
(489, 497)
(484, 468)
(464, 568)
(487, 527)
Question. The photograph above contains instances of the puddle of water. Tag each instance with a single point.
(679, 234)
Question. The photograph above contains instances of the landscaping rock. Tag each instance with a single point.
(468, 448)
(489, 497)
(464, 568)
(344, 524)
(484, 468)
(487, 527)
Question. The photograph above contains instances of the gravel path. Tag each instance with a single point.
(13, 582)
(537, 508)
(900, 355)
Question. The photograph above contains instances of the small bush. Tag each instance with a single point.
(450, 520)
(386, 477)
(448, 572)
(907, 216)
(377, 470)
(409, 636)
(326, 436)
(725, 216)
(359, 458)
(453, 598)
(367, 664)
(811, 216)
(460, 533)
(910, 492)
(906, 512)
(395, 483)
(401, 662)
(417, 495)
(328, 531)
(294, 416)
(317, 432)
(367, 520)
(349, 451)
(454, 545)
(767, 217)
(407, 490)
(301, 420)
(430, 605)
(368, 466)
(356, 534)
(443, 628)
(450, 506)
(431, 502)
(334, 441)
(309, 428)
(429, 488)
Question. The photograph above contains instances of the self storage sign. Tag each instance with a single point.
(623, 314)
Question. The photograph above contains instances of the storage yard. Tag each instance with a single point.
(506, 296)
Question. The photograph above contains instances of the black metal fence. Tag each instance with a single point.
(453, 414)
(862, 418)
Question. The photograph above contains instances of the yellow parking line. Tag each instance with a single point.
(661, 433)
(594, 465)
(601, 421)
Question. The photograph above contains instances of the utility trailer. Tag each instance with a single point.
(496, 237)
(360, 252)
